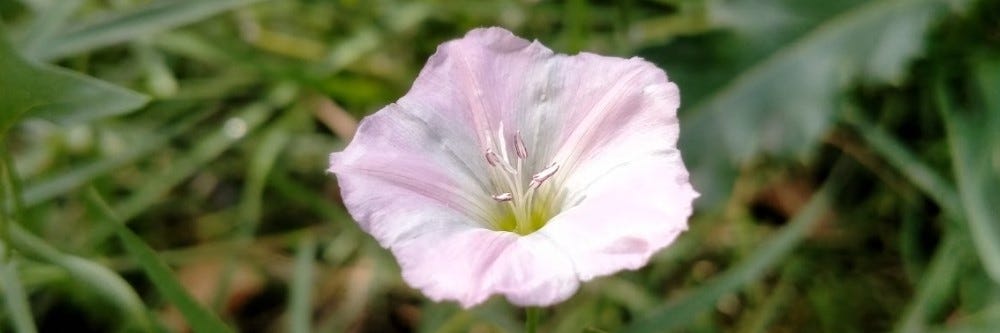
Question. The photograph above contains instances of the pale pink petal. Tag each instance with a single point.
(479, 81)
(447, 256)
(566, 107)
(613, 102)
(397, 158)
(627, 193)
(451, 261)
(620, 219)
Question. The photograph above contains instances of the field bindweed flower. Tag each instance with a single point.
(508, 169)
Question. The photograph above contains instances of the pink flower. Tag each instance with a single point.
(508, 169)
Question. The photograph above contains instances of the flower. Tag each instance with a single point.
(508, 169)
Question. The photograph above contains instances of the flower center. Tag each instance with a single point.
(523, 208)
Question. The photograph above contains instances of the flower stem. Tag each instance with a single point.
(531, 319)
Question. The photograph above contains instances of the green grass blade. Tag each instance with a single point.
(919, 173)
(271, 145)
(310, 197)
(208, 148)
(62, 183)
(158, 16)
(101, 280)
(251, 200)
(937, 284)
(56, 94)
(685, 310)
(10, 187)
(972, 136)
(986, 320)
(166, 283)
(299, 311)
(762, 319)
(15, 298)
(159, 78)
(12, 181)
(264, 157)
(104, 282)
(46, 25)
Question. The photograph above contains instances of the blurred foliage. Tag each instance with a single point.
(163, 164)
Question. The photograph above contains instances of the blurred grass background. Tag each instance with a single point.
(163, 164)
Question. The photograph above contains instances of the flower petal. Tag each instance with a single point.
(608, 99)
(397, 157)
(445, 255)
(624, 186)
(452, 261)
(624, 216)
(478, 81)
(566, 107)
(626, 191)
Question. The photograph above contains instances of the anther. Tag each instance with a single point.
(491, 157)
(542, 176)
(519, 148)
(502, 197)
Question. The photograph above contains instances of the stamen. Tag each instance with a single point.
(491, 157)
(542, 176)
(519, 148)
(502, 197)
(518, 207)
(502, 143)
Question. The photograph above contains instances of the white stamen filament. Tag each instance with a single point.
(506, 196)
(509, 186)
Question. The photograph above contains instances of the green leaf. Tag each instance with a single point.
(782, 105)
(127, 25)
(972, 135)
(56, 94)
(680, 312)
(200, 319)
